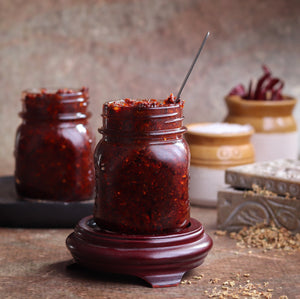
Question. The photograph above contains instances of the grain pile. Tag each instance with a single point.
(267, 238)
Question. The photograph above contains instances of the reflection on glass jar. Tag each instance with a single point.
(142, 167)
(54, 146)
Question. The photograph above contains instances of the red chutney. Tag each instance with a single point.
(54, 146)
(142, 168)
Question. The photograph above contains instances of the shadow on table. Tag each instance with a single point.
(76, 272)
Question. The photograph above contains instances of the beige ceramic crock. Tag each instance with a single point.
(275, 128)
(211, 154)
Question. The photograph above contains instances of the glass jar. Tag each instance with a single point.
(54, 146)
(142, 168)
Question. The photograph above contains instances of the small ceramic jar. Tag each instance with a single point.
(215, 147)
(275, 128)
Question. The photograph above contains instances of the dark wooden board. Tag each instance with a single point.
(15, 212)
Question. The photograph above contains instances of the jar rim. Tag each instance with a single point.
(62, 92)
(161, 105)
(287, 100)
(217, 135)
(62, 104)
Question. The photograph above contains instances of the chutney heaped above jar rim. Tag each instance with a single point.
(148, 118)
(55, 103)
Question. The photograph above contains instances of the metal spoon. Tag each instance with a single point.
(191, 68)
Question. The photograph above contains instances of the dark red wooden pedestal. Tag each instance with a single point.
(161, 260)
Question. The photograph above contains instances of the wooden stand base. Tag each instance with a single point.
(161, 260)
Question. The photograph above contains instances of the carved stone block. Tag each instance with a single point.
(237, 209)
(279, 176)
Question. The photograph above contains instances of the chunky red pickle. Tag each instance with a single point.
(54, 146)
(142, 168)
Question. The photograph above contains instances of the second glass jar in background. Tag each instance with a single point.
(54, 146)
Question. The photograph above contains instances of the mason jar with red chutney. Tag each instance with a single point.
(54, 146)
(142, 168)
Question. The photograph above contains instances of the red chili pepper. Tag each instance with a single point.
(239, 90)
(267, 88)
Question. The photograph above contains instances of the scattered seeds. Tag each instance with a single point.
(186, 281)
(199, 277)
(267, 238)
(237, 288)
(214, 280)
(244, 289)
(220, 232)
(257, 190)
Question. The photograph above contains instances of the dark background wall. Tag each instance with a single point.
(142, 49)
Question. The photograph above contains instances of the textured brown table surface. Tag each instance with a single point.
(35, 263)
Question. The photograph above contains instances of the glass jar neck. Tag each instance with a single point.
(126, 123)
(55, 105)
